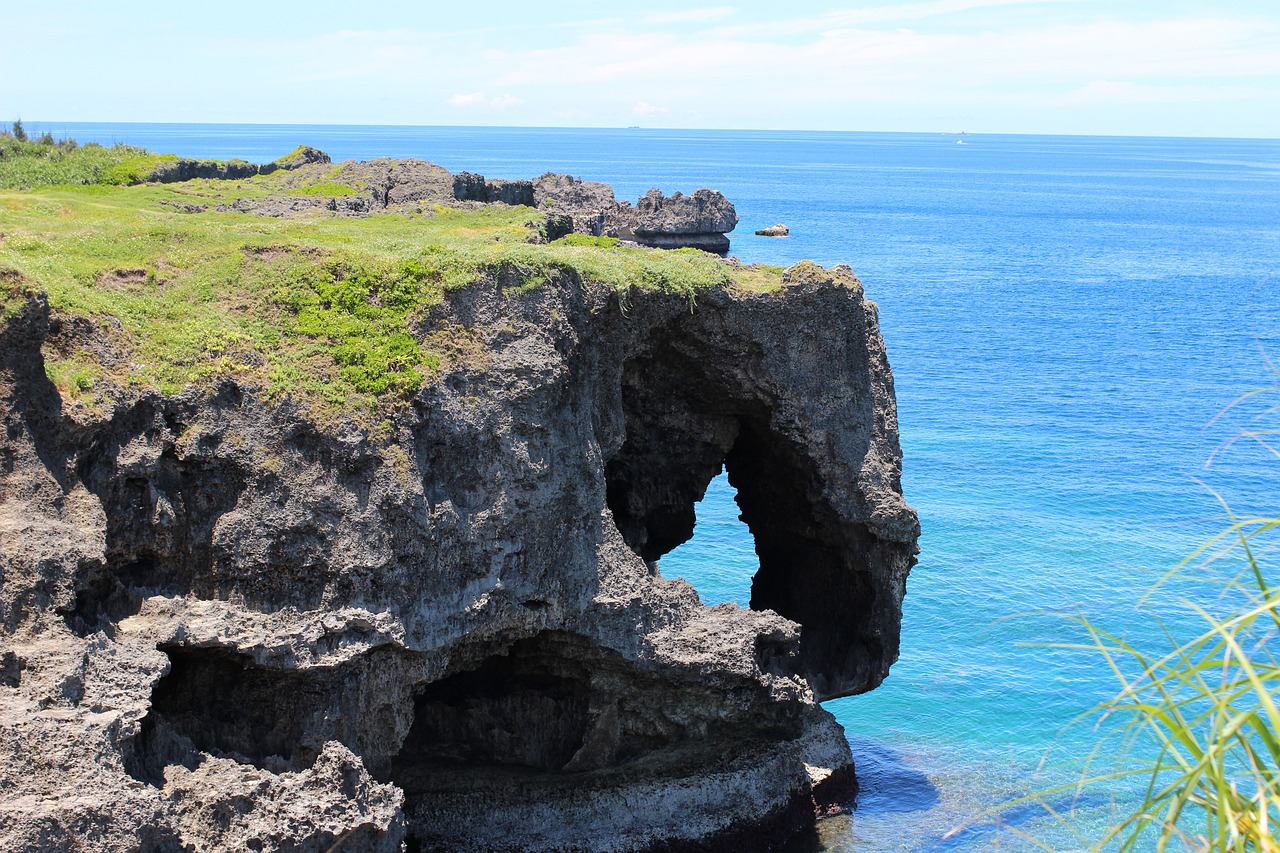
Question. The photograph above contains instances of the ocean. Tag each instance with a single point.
(1067, 319)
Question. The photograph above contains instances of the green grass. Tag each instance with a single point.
(586, 240)
(292, 158)
(326, 310)
(327, 189)
(1209, 705)
(46, 163)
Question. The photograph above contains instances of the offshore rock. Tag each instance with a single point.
(226, 627)
(778, 230)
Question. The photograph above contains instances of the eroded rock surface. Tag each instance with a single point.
(409, 185)
(698, 221)
(225, 628)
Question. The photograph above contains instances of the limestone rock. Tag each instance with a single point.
(704, 212)
(778, 230)
(187, 169)
(226, 627)
(469, 187)
(699, 221)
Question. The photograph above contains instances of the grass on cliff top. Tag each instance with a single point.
(49, 162)
(323, 309)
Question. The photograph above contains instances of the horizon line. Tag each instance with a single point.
(37, 122)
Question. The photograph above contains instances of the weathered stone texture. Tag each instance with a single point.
(224, 628)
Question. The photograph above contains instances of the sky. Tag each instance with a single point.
(1119, 67)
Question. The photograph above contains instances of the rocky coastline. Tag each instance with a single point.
(700, 220)
(227, 624)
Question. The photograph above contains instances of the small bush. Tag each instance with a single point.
(327, 189)
(1197, 722)
(29, 165)
(587, 240)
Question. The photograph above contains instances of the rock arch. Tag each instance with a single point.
(712, 390)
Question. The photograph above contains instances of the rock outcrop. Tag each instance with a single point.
(225, 627)
(778, 230)
(186, 169)
(698, 221)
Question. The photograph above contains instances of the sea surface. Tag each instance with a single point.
(1067, 319)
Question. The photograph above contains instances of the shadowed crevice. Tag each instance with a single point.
(684, 424)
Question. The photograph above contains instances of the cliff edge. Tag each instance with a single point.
(233, 621)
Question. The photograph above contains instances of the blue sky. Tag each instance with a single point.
(1170, 68)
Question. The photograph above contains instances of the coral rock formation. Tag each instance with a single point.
(699, 221)
(225, 627)
(587, 207)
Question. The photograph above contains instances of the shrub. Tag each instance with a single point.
(1210, 707)
(1198, 721)
(586, 240)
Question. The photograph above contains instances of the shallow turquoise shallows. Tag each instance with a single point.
(1065, 317)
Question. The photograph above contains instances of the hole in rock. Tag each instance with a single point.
(686, 421)
(556, 705)
(529, 708)
(223, 704)
(11, 667)
(556, 717)
(720, 559)
(228, 705)
(116, 592)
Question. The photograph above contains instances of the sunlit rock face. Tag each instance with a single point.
(698, 221)
(226, 626)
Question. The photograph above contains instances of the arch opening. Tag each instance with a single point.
(685, 424)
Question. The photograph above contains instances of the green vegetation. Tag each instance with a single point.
(294, 157)
(327, 310)
(1209, 705)
(1196, 723)
(45, 162)
(586, 240)
(328, 189)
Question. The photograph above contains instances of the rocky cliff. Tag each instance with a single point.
(699, 221)
(229, 624)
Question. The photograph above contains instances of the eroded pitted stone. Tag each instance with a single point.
(228, 628)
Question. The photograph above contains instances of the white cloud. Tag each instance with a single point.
(468, 100)
(1015, 65)
(713, 13)
(897, 14)
(480, 99)
(1119, 92)
(856, 63)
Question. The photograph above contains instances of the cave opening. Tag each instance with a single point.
(222, 703)
(526, 710)
(692, 428)
(557, 717)
(226, 704)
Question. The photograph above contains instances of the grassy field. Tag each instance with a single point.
(320, 308)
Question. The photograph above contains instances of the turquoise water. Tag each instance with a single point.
(1065, 317)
